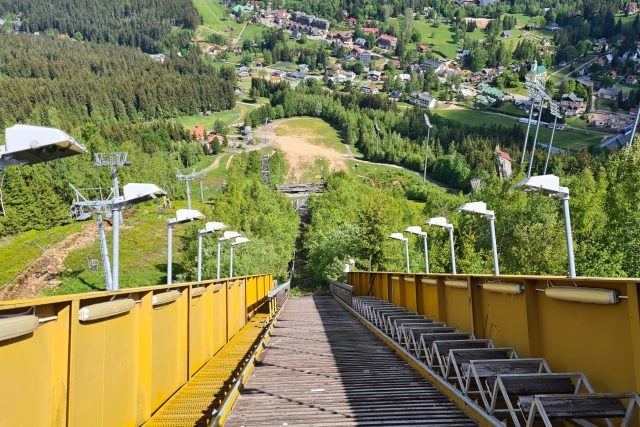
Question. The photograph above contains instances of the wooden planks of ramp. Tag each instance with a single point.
(324, 368)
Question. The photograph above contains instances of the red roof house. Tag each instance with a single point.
(198, 132)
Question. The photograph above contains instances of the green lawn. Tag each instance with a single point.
(567, 139)
(285, 66)
(214, 17)
(438, 38)
(20, 250)
(229, 117)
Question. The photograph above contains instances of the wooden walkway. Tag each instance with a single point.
(324, 368)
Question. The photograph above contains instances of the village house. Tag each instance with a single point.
(553, 27)
(386, 41)
(374, 75)
(352, 21)
(631, 8)
(422, 48)
(608, 93)
(438, 67)
(198, 133)
(360, 42)
(404, 77)
(631, 79)
(370, 89)
(365, 58)
(599, 120)
(373, 31)
(503, 163)
(423, 99)
(571, 105)
(395, 95)
(507, 34)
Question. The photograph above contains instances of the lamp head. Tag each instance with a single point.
(26, 145)
(397, 236)
(239, 240)
(476, 208)
(438, 221)
(186, 215)
(548, 185)
(212, 227)
(229, 235)
(415, 229)
(135, 193)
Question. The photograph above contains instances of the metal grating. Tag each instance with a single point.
(195, 402)
(323, 367)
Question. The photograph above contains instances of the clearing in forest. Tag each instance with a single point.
(311, 147)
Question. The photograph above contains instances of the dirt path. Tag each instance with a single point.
(42, 273)
(228, 165)
(299, 150)
(214, 165)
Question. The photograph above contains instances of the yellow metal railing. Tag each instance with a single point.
(592, 328)
(120, 368)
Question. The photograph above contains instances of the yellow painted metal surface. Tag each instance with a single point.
(603, 341)
(194, 403)
(119, 370)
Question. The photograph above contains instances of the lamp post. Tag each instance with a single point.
(132, 194)
(441, 222)
(480, 208)
(415, 229)
(400, 236)
(27, 145)
(537, 93)
(533, 99)
(209, 227)
(426, 155)
(239, 241)
(182, 216)
(549, 185)
(555, 111)
(635, 126)
(227, 235)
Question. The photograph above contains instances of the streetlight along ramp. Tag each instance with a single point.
(323, 367)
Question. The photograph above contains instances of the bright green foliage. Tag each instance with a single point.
(258, 212)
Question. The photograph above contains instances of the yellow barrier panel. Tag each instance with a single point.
(601, 340)
(120, 368)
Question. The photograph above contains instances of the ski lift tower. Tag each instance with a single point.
(113, 161)
(187, 178)
(83, 208)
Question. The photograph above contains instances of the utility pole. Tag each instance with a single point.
(635, 126)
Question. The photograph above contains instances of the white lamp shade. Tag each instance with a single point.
(230, 235)
(397, 236)
(34, 144)
(212, 227)
(545, 184)
(438, 221)
(135, 193)
(240, 240)
(415, 229)
(186, 215)
(477, 208)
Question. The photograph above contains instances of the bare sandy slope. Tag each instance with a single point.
(299, 150)
(43, 272)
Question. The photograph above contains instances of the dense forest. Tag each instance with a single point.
(458, 152)
(45, 80)
(142, 23)
(39, 197)
(108, 97)
(352, 219)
